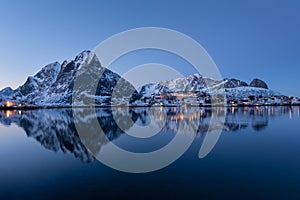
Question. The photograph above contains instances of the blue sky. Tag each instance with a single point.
(246, 39)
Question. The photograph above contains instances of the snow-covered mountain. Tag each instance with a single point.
(37, 87)
(244, 92)
(53, 85)
(234, 89)
(6, 93)
(233, 83)
(192, 83)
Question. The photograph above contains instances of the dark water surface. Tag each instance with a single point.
(257, 155)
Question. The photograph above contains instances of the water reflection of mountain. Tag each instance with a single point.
(55, 128)
(237, 118)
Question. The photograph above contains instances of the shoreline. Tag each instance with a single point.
(139, 106)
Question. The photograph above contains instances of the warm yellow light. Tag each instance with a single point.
(8, 104)
(8, 113)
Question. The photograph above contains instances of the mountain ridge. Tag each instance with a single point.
(53, 85)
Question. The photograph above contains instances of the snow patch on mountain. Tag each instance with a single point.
(245, 92)
(6, 93)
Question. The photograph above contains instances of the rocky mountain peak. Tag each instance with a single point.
(258, 83)
(5, 93)
(53, 85)
(85, 56)
(233, 83)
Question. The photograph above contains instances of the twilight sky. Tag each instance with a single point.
(246, 39)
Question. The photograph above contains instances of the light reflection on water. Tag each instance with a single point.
(55, 130)
(241, 155)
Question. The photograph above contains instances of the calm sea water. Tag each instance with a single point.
(256, 156)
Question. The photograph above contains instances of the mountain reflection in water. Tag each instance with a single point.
(56, 131)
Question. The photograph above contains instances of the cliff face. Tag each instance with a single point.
(54, 84)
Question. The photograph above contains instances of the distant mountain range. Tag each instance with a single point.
(234, 89)
(53, 85)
